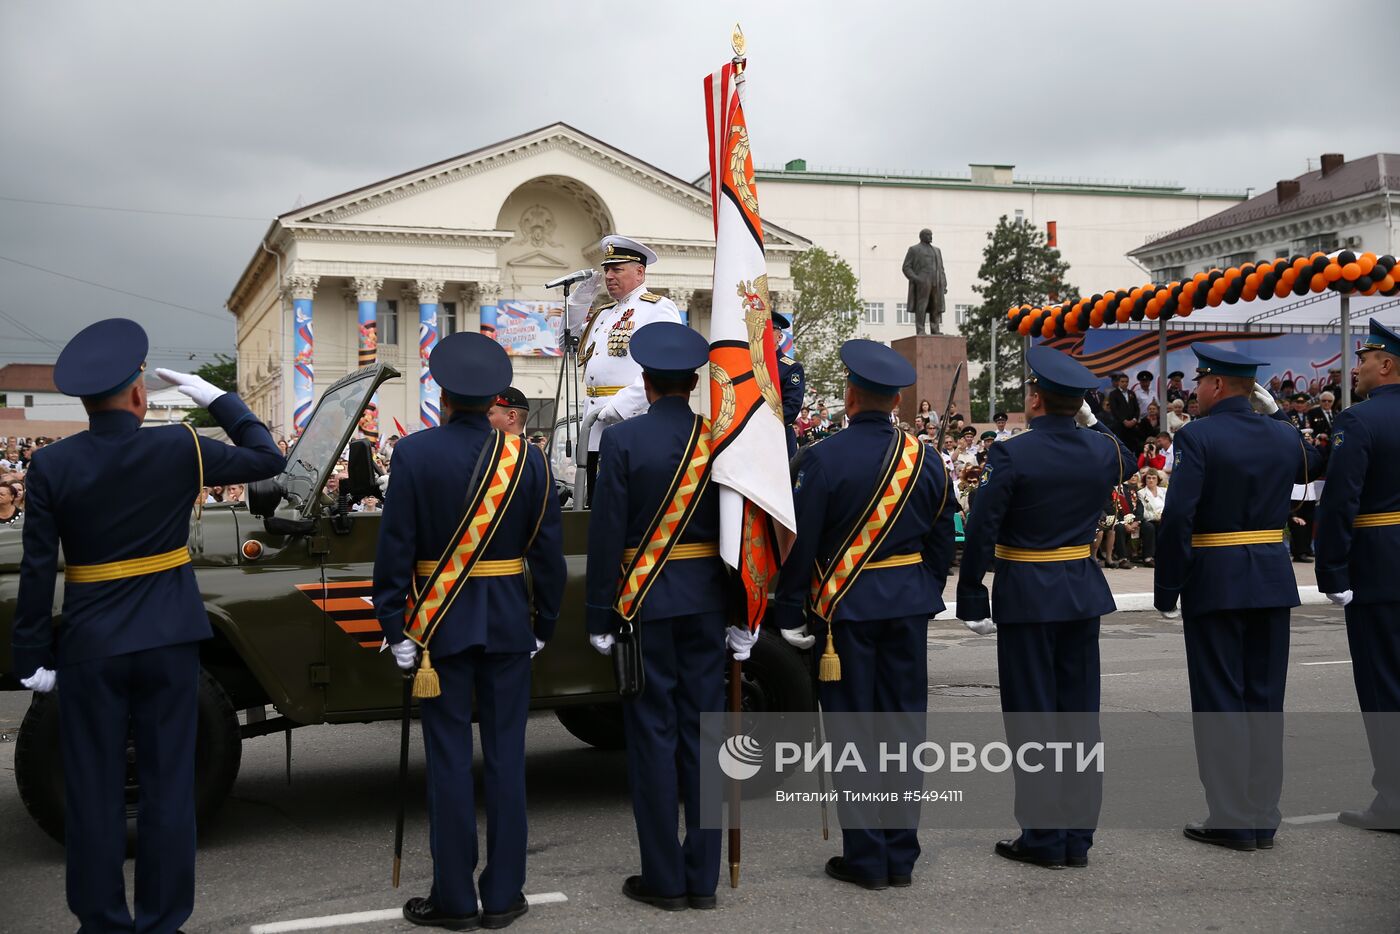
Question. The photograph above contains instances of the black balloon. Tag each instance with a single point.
(1346, 256)
(1300, 285)
(1199, 299)
(1363, 283)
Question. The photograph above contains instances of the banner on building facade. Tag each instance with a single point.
(525, 329)
(1303, 358)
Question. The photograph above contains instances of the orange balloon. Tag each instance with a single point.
(1024, 327)
(1281, 289)
(1152, 312)
(1186, 312)
(1351, 272)
(1123, 314)
(1264, 268)
(1096, 318)
(1318, 282)
(1333, 272)
(1189, 288)
(1231, 274)
(1183, 304)
(1251, 281)
(1048, 328)
(1200, 277)
(1300, 262)
(1214, 299)
(1367, 262)
(1387, 283)
(1248, 294)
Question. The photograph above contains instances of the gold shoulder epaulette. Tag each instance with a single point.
(787, 360)
(606, 305)
(649, 297)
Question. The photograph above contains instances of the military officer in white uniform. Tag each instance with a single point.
(612, 379)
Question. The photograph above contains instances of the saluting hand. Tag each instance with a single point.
(197, 388)
(1261, 402)
(1085, 417)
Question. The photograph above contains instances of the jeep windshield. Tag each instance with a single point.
(313, 457)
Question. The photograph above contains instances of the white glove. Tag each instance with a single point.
(740, 641)
(1340, 599)
(1085, 417)
(581, 299)
(382, 481)
(1261, 402)
(983, 627)
(603, 643)
(405, 654)
(798, 638)
(608, 415)
(1170, 614)
(197, 388)
(41, 682)
(539, 644)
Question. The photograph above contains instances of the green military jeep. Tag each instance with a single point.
(286, 584)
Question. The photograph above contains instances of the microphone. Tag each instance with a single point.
(570, 279)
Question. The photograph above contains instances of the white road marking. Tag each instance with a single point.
(1119, 674)
(1311, 818)
(366, 917)
(1345, 661)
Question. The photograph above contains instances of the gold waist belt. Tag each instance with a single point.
(1221, 539)
(596, 391)
(897, 561)
(505, 567)
(131, 567)
(691, 550)
(1369, 520)
(1042, 555)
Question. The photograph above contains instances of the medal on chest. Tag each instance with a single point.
(620, 335)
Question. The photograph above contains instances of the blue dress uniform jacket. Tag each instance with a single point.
(1251, 463)
(423, 508)
(794, 382)
(834, 484)
(637, 461)
(126, 650)
(1042, 489)
(1363, 476)
(115, 492)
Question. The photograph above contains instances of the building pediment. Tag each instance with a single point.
(537, 260)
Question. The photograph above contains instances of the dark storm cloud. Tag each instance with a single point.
(247, 109)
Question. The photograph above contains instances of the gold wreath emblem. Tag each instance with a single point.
(738, 168)
(728, 405)
(757, 313)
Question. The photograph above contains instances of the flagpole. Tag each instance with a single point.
(736, 667)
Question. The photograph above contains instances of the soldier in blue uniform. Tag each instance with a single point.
(680, 616)
(793, 379)
(1221, 552)
(482, 644)
(1358, 537)
(128, 646)
(876, 620)
(1038, 505)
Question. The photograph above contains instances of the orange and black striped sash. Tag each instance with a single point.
(830, 586)
(677, 508)
(479, 523)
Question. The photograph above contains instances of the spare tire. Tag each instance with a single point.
(39, 759)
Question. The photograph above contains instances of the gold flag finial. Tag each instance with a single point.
(737, 41)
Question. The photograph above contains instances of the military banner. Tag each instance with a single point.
(750, 447)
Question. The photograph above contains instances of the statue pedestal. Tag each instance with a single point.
(935, 358)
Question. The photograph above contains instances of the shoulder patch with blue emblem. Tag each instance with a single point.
(797, 484)
(1337, 437)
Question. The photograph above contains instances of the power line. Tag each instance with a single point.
(103, 207)
(99, 285)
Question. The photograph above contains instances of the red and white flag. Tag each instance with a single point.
(746, 422)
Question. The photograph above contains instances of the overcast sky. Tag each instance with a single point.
(247, 109)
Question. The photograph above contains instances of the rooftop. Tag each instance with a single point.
(31, 377)
(982, 176)
(1335, 180)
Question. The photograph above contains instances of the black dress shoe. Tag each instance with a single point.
(633, 889)
(1077, 862)
(423, 912)
(1369, 820)
(500, 919)
(836, 868)
(901, 882)
(1264, 843)
(1202, 834)
(700, 902)
(1011, 849)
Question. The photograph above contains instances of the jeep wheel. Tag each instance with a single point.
(776, 679)
(598, 725)
(39, 759)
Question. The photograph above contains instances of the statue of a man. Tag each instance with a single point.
(923, 267)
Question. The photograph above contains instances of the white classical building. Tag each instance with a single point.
(871, 218)
(380, 272)
(1339, 205)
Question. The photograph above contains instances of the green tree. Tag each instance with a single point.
(825, 318)
(222, 372)
(1017, 268)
